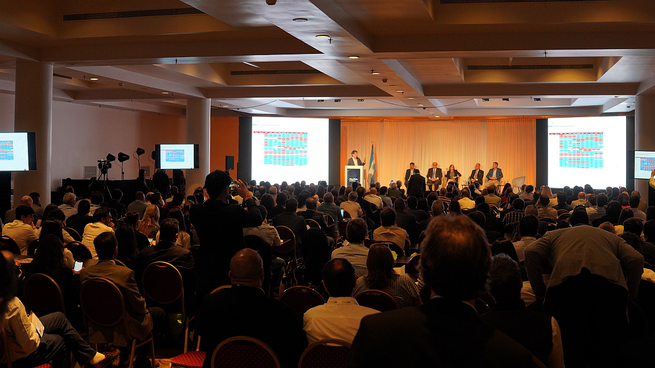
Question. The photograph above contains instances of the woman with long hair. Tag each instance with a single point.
(54, 226)
(452, 175)
(382, 276)
(150, 222)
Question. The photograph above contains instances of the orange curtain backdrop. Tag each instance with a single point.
(463, 143)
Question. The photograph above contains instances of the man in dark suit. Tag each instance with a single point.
(434, 177)
(311, 213)
(140, 320)
(406, 221)
(280, 202)
(244, 310)
(354, 160)
(411, 171)
(166, 251)
(416, 186)
(445, 331)
(476, 175)
(220, 230)
(115, 202)
(290, 219)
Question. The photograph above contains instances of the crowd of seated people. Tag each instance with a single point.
(567, 265)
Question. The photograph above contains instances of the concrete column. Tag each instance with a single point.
(644, 133)
(198, 128)
(34, 114)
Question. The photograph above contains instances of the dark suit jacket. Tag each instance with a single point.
(139, 320)
(479, 177)
(243, 310)
(439, 176)
(316, 216)
(118, 206)
(408, 174)
(416, 186)
(351, 162)
(408, 222)
(292, 221)
(168, 252)
(220, 230)
(499, 174)
(441, 333)
(420, 215)
(275, 211)
(78, 222)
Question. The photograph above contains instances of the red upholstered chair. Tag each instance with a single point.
(286, 250)
(312, 223)
(103, 304)
(301, 299)
(163, 284)
(244, 352)
(7, 243)
(325, 354)
(43, 295)
(3, 348)
(377, 299)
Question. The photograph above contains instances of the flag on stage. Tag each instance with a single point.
(371, 166)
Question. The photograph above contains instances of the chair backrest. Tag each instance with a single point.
(392, 246)
(73, 233)
(7, 243)
(43, 295)
(102, 302)
(162, 283)
(325, 354)
(220, 288)
(312, 223)
(536, 363)
(347, 215)
(31, 249)
(301, 299)
(376, 299)
(288, 245)
(411, 268)
(79, 250)
(518, 181)
(244, 352)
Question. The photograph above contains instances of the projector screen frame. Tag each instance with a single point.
(30, 140)
(196, 152)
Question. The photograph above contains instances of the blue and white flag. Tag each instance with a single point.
(371, 166)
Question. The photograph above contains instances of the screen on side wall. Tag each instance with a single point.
(589, 150)
(176, 156)
(290, 149)
(17, 152)
(644, 164)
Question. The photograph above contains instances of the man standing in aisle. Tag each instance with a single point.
(434, 177)
(494, 175)
(354, 159)
(411, 171)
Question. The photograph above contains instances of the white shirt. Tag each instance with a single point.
(374, 199)
(520, 245)
(466, 203)
(356, 253)
(91, 231)
(22, 233)
(339, 318)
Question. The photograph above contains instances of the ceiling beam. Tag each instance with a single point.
(310, 92)
(480, 90)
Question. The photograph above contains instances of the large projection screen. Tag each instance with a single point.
(588, 150)
(290, 149)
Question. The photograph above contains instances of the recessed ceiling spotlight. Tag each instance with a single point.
(420, 104)
(436, 116)
(411, 98)
(400, 91)
(322, 36)
(353, 57)
(164, 92)
(374, 72)
(506, 99)
(320, 100)
(300, 20)
(537, 99)
(485, 100)
(93, 79)
(360, 100)
(337, 100)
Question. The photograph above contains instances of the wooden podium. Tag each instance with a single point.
(354, 173)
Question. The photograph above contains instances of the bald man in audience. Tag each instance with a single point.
(244, 310)
(339, 318)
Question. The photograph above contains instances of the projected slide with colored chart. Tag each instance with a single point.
(590, 150)
(644, 164)
(285, 148)
(290, 149)
(581, 150)
(6, 150)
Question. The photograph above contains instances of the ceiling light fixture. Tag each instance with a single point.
(400, 91)
(436, 116)
(353, 57)
(374, 72)
(320, 100)
(164, 93)
(337, 100)
(322, 36)
(506, 99)
(300, 20)
(411, 98)
(360, 100)
(420, 104)
(93, 79)
(537, 99)
(485, 100)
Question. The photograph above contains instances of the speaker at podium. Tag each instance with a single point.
(354, 173)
